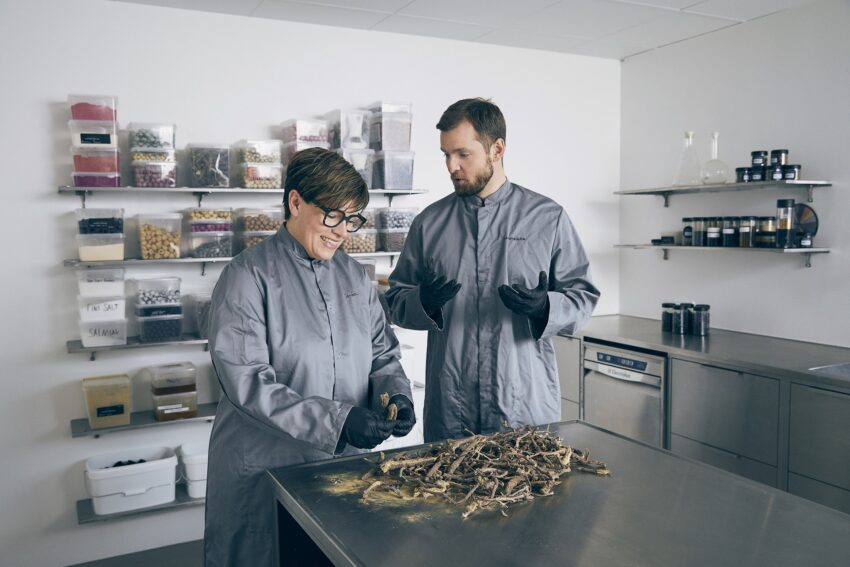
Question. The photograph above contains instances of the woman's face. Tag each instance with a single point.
(307, 227)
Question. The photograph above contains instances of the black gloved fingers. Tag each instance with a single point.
(402, 428)
(437, 283)
(543, 281)
(524, 292)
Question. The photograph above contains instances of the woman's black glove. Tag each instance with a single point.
(533, 303)
(365, 429)
(405, 418)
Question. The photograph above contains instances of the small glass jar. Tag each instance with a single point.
(778, 157)
(759, 158)
(758, 173)
(667, 317)
(730, 231)
(700, 321)
(680, 320)
(806, 240)
(743, 174)
(713, 232)
(766, 235)
(687, 231)
(785, 230)
(747, 231)
(699, 231)
(687, 313)
(791, 172)
(774, 172)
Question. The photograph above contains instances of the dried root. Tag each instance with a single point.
(392, 409)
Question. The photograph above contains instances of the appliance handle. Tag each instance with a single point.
(623, 374)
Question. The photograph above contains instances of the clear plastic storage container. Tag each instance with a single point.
(362, 161)
(157, 309)
(208, 219)
(387, 106)
(193, 457)
(100, 221)
(364, 241)
(170, 378)
(107, 400)
(391, 217)
(103, 333)
(304, 130)
(93, 179)
(370, 215)
(101, 282)
(154, 174)
(175, 406)
(370, 266)
(348, 128)
(251, 220)
(201, 303)
(150, 481)
(258, 151)
(93, 133)
(93, 107)
(153, 154)
(261, 175)
(391, 239)
(100, 247)
(393, 170)
(151, 135)
(251, 238)
(209, 165)
(101, 308)
(160, 329)
(292, 148)
(95, 160)
(159, 236)
(390, 131)
(156, 291)
(211, 244)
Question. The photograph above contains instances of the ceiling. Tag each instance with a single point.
(613, 29)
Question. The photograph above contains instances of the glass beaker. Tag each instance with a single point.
(715, 170)
(785, 230)
(689, 166)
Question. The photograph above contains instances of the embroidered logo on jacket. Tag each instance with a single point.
(514, 238)
(351, 293)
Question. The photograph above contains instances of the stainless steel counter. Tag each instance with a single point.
(655, 509)
(780, 358)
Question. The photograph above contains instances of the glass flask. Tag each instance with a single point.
(689, 168)
(715, 170)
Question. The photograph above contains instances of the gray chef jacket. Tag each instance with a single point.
(295, 343)
(485, 365)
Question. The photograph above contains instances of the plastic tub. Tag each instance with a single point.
(251, 220)
(370, 217)
(159, 236)
(175, 406)
(202, 303)
(251, 238)
(153, 154)
(211, 244)
(292, 148)
(103, 333)
(258, 151)
(261, 175)
(101, 283)
(348, 128)
(208, 220)
(94, 179)
(194, 459)
(304, 130)
(393, 170)
(390, 131)
(170, 378)
(363, 241)
(151, 135)
(93, 107)
(196, 488)
(100, 247)
(391, 239)
(362, 161)
(209, 165)
(391, 217)
(130, 487)
(156, 291)
(93, 133)
(95, 160)
(101, 308)
(160, 329)
(385, 106)
(107, 400)
(154, 174)
(158, 309)
(100, 221)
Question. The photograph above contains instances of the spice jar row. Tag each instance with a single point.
(768, 167)
(685, 318)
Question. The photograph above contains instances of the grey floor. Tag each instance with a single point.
(188, 554)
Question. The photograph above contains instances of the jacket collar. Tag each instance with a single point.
(498, 196)
(292, 245)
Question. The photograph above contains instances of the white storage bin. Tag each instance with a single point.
(101, 308)
(194, 459)
(130, 487)
(196, 488)
(101, 283)
(103, 333)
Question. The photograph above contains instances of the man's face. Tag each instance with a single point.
(469, 163)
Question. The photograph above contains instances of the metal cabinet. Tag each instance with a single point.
(820, 440)
(725, 460)
(819, 492)
(568, 359)
(729, 410)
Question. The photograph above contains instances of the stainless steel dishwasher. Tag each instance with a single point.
(623, 392)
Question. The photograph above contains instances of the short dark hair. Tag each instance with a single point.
(484, 116)
(324, 178)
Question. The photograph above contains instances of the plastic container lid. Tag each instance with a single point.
(159, 216)
(171, 375)
(143, 320)
(100, 239)
(105, 381)
(384, 106)
(210, 146)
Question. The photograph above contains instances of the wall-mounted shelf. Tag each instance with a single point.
(201, 192)
(140, 420)
(86, 515)
(76, 346)
(667, 192)
(806, 252)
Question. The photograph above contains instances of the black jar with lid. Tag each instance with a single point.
(758, 173)
(774, 173)
(667, 310)
(687, 231)
(747, 227)
(713, 232)
(730, 231)
(743, 174)
(778, 157)
(699, 231)
(680, 319)
(700, 322)
(760, 158)
(791, 172)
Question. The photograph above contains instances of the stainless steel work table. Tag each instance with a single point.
(655, 509)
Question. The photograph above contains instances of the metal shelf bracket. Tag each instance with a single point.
(810, 193)
(82, 196)
(666, 197)
(666, 253)
(807, 257)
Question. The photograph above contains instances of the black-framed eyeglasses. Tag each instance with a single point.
(335, 217)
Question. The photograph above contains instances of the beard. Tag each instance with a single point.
(479, 181)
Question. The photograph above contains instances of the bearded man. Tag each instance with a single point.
(491, 271)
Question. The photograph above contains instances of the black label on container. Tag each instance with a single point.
(95, 138)
(106, 411)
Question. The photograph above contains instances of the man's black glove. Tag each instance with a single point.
(365, 428)
(435, 291)
(405, 418)
(533, 303)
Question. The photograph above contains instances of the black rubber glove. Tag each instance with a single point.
(365, 429)
(533, 303)
(435, 291)
(406, 418)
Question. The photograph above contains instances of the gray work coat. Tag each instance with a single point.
(295, 343)
(485, 366)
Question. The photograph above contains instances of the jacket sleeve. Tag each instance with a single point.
(240, 357)
(403, 296)
(572, 295)
(387, 375)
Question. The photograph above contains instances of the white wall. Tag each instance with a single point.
(779, 82)
(221, 78)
